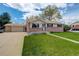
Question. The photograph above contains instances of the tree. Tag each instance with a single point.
(66, 27)
(51, 12)
(4, 19)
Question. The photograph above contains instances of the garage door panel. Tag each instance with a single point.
(17, 29)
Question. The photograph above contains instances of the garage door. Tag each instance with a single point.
(17, 29)
(8, 28)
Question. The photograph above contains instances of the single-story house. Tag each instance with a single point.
(75, 26)
(14, 28)
(34, 25)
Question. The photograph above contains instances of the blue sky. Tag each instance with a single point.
(19, 11)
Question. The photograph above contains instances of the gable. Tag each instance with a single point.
(38, 21)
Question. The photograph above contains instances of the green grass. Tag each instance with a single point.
(45, 45)
(70, 35)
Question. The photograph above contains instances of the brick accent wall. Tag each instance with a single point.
(36, 30)
(55, 29)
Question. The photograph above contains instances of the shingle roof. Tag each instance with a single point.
(33, 19)
(14, 24)
(75, 23)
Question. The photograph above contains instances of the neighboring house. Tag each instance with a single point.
(14, 28)
(75, 26)
(38, 25)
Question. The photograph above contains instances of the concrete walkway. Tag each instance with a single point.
(63, 38)
(11, 43)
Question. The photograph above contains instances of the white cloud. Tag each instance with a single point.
(62, 5)
(71, 4)
(69, 19)
(26, 7)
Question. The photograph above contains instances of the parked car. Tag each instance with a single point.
(1, 29)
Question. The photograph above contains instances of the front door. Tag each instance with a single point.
(44, 27)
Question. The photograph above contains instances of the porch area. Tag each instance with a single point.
(47, 27)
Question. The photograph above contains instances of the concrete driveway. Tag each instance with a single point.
(11, 43)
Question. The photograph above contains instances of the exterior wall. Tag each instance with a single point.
(8, 29)
(27, 27)
(30, 29)
(51, 29)
(75, 26)
(41, 29)
(55, 29)
(36, 30)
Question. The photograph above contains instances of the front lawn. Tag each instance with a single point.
(43, 45)
(70, 35)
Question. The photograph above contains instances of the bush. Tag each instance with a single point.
(66, 27)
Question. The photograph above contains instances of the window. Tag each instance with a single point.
(49, 25)
(35, 25)
(75, 29)
(59, 25)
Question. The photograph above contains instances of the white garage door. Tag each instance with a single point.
(17, 29)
